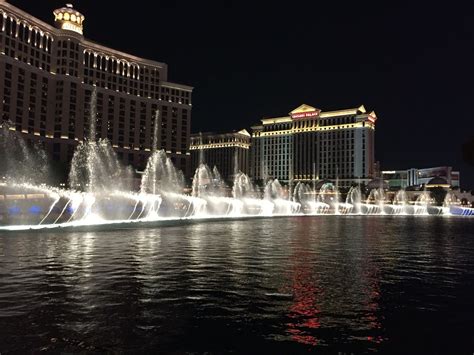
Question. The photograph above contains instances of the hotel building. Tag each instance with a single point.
(309, 145)
(398, 179)
(48, 76)
(228, 152)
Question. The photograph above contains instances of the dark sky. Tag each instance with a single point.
(412, 63)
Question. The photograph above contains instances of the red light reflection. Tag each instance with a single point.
(304, 311)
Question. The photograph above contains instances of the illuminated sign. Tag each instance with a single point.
(305, 114)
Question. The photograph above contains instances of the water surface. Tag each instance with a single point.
(329, 283)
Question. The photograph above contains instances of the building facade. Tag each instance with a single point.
(398, 179)
(310, 145)
(49, 77)
(228, 152)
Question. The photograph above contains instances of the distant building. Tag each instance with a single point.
(309, 145)
(229, 152)
(396, 179)
(421, 177)
(48, 75)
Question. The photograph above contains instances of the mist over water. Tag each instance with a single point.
(20, 162)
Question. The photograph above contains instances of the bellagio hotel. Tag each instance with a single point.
(48, 75)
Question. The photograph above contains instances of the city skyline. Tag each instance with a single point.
(411, 65)
(200, 177)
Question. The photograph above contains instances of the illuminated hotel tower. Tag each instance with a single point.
(311, 145)
(228, 152)
(48, 75)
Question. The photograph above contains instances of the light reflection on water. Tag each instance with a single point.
(352, 284)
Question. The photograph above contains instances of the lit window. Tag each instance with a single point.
(66, 16)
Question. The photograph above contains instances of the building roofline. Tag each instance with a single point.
(322, 114)
(221, 133)
(85, 41)
(176, 86)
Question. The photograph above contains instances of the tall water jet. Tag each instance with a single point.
(354, 198)
(242, 186)
(161, 182)
(207, 182)
(275, 193)
(336, 193)
(201, 151)
(300, 192)
(399, 202)
(450, 199)
(96, 170)
(328, 196)
(160, 175)
(154, 141)
(304, 195)
(422, 202)
(376, 201)
(273, 190)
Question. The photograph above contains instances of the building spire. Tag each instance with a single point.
(69, 19)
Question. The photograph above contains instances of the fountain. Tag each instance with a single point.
(353, 198)
(327, 198)
(400, 203)
(422, 203)
(101, 192)
(276, 195)
(21, 162)
(375, 202)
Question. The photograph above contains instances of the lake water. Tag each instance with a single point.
(334, 284)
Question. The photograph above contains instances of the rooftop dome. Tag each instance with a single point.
(67, 18)
(437, 182)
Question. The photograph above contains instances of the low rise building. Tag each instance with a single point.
(228, 152)
(398, 179)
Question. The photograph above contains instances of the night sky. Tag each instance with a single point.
(411, 63)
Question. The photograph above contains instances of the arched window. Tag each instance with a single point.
(43, 42)
(21, 31)
(27, 33)
(13, 27)
(8, 25)
(30, 31)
